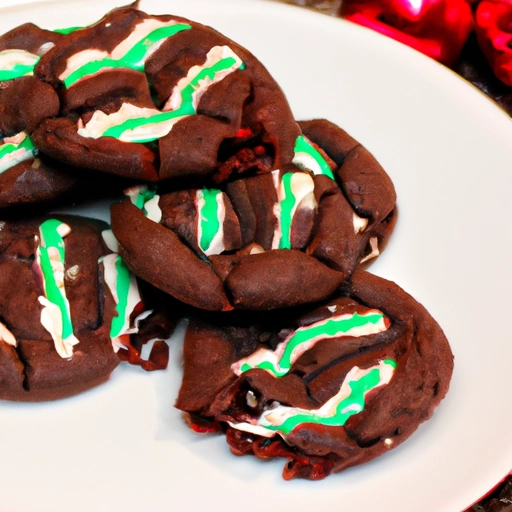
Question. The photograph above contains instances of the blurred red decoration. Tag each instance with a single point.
(437, 28)
(494, 34)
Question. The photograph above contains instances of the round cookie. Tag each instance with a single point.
(67, 305)
(327, 387)
(266, 241)
(24, 100)
(25, 176)
(162, 97)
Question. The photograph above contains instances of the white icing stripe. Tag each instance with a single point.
(101, 122)
(150, 207)
(10, 58)
(253, 429)
(274, 356)
(7, 336)
(216, 54)
(51, 320)
(14, 158)
(110, 240)
(51, 315)
(153, 210)
(303, 189)
(217, 245)
(140, 31)
(278, 414)
(78, 60)
(133, 192)
(306, 162)
(111, 276)
(15, 139)
(17, 156)
(277, 208)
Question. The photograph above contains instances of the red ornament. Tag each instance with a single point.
(494, 34)
(437, 28)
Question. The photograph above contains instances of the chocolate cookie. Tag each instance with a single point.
(67, 305)
(162, 97)
(24, 100)
(25, 176)
(326, 388)
(267, 241)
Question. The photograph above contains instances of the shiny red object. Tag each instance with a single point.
(437, 28)
(494, 34)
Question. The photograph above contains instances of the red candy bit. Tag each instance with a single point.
(260, 150)
(202, 425)
(494, 34)
(437, 28)
(244, 133)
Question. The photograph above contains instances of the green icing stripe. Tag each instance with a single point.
(123, 281)
(52, 241)
(186, 108)
(287, 204)
(18, 69)
(208, 215)
(9, 148)
(67, 30)
(330, 328)
(302, 145)
(134, 58)
(352, 404)
(144, 194)
(137, 55)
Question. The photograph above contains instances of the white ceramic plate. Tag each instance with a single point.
(123, 447)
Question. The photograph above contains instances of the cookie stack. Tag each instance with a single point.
(252, 225)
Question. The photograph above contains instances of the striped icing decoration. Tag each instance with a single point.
(135, 124)
(294, 190)
(211, 212)
(51, 258)
(16, 63)
(123, 287)
(15, 150)
(279, 362)
(146, 199)
(309, 159)
(350, 400)
(131, 53)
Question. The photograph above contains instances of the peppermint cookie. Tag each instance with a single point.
(268, 241)
(325, 388)
(162, 97)
(67, 305)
